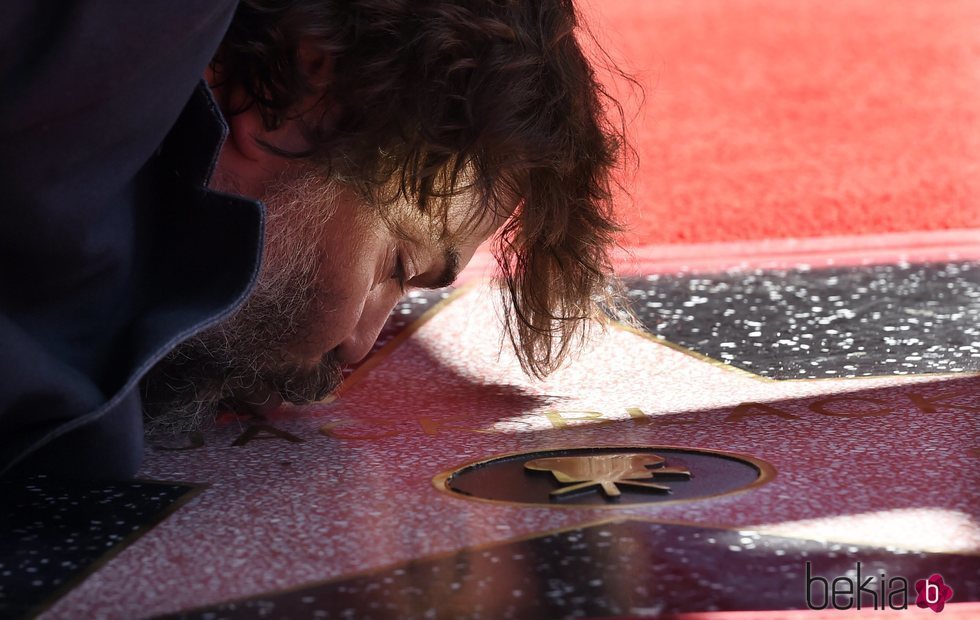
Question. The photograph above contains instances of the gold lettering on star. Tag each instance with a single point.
(834, 406)
(607, 472)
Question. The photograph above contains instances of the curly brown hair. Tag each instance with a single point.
(432, 95)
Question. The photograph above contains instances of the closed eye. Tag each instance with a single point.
(398, 273)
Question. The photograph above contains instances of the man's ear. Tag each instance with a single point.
(246, 163)
(248, 129)
(317, 66)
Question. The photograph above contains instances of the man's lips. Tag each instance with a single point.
(260, 405)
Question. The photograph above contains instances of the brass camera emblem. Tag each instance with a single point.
(605, 476)
(606, 471)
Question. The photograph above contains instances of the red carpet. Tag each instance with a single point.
(768, 119)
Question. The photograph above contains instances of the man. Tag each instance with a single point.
(387, 140)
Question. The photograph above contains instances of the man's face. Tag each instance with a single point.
(333, 270)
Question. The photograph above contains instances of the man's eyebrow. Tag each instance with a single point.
(450, 269)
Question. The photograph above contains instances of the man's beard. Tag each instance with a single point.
(245, 358)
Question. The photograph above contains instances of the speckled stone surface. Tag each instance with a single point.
(51, 532)
(816, 323)
(333, 489)
(607, 476)
(629, 568)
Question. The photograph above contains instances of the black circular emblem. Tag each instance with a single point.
(609, 476)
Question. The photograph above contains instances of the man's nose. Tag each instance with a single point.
(357, 344)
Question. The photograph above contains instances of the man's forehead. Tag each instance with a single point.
(451, 233)
(452, 221)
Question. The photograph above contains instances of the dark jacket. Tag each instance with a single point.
(111, 248)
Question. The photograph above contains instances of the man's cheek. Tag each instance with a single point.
(321, 329)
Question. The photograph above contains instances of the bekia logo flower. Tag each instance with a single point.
(882, 592)
(932, 593)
